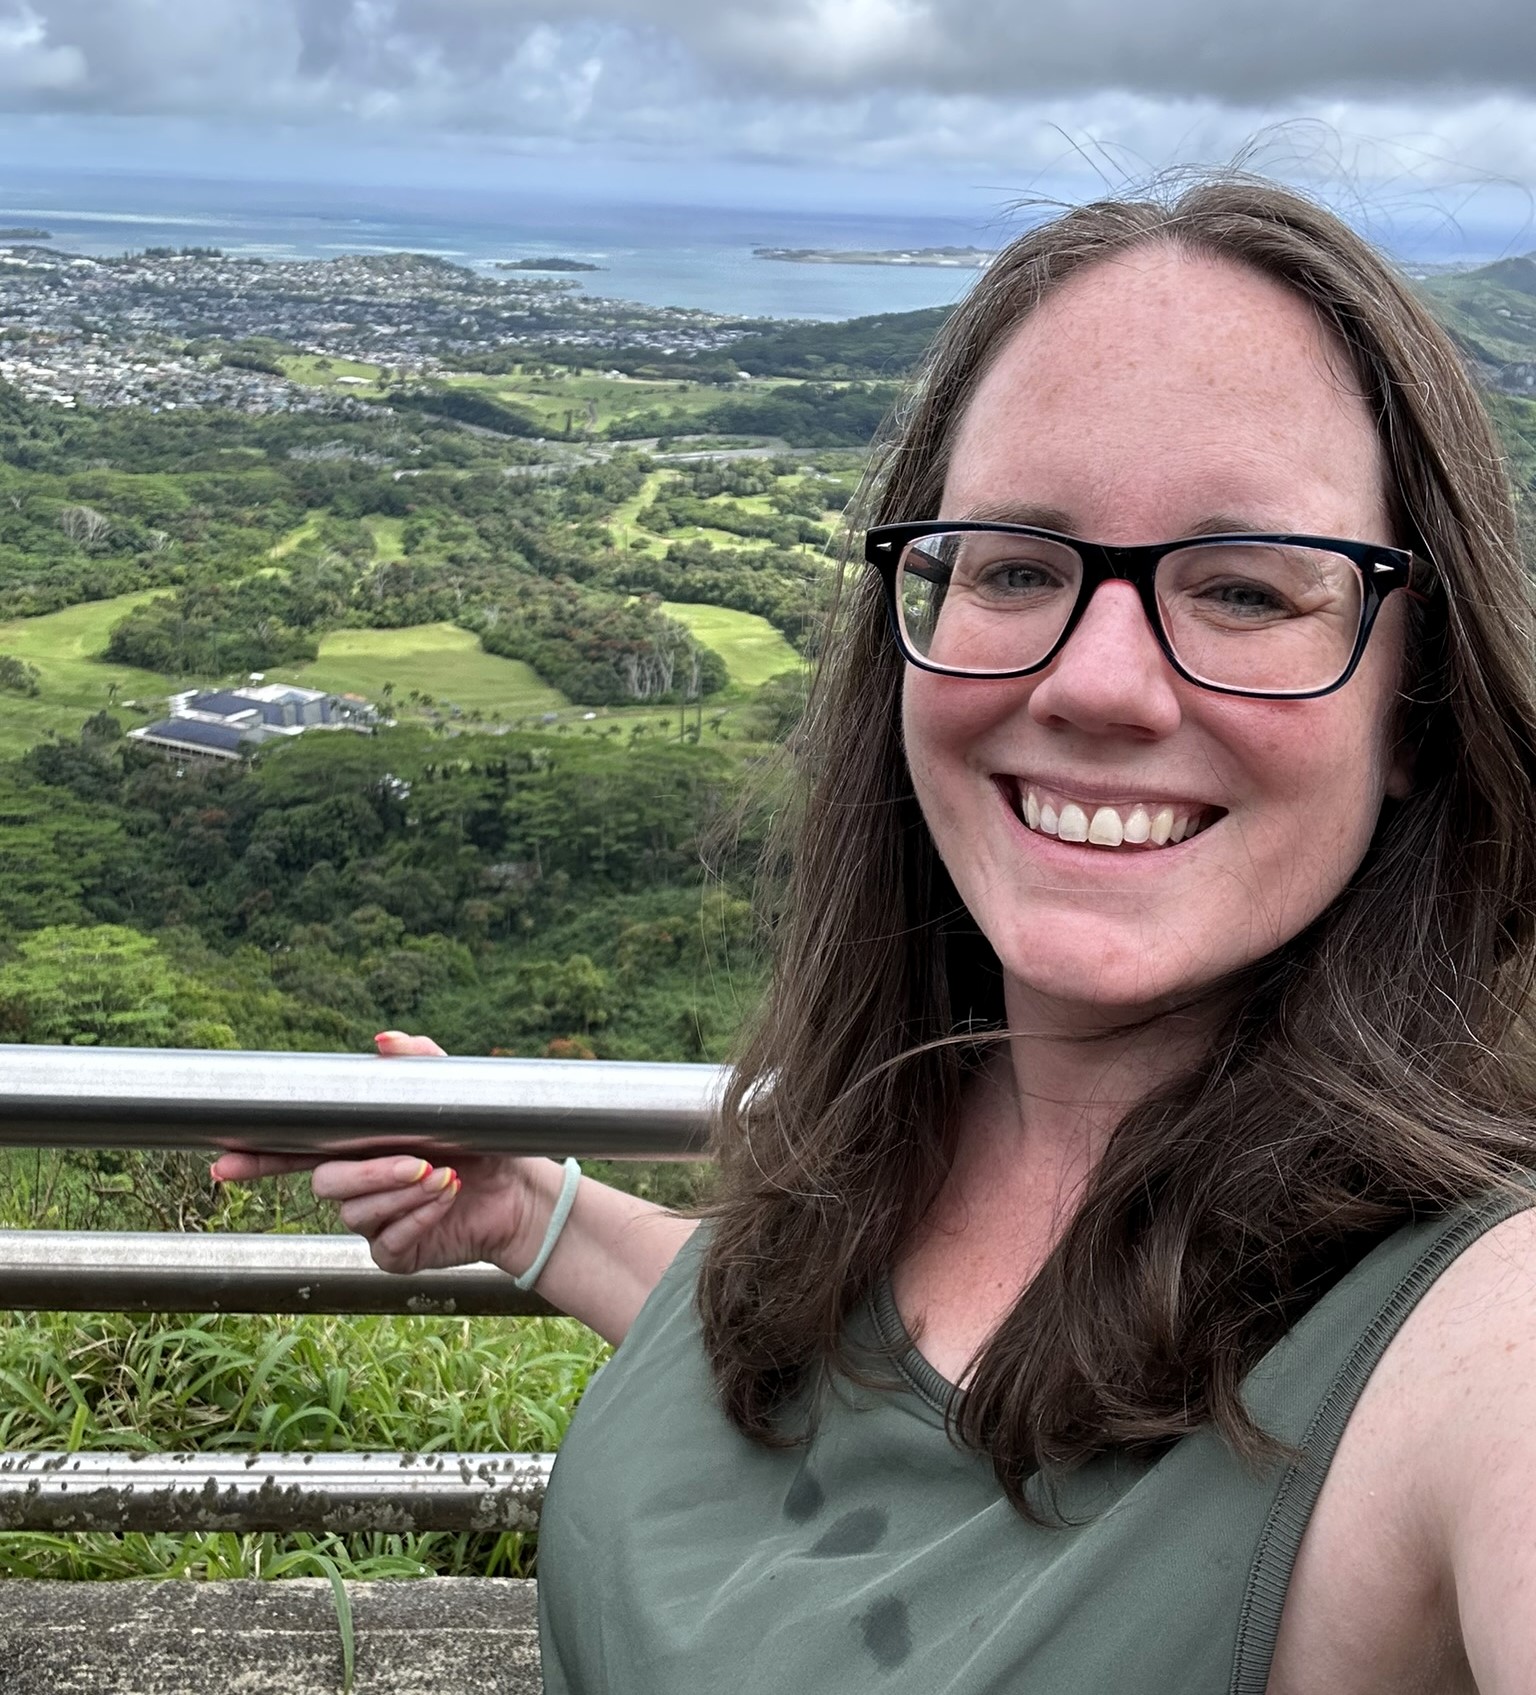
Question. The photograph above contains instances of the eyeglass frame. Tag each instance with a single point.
(1382, 570)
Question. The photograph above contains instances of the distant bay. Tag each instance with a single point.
(664, 255)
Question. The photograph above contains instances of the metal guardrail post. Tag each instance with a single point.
(187, 1493)
(352, 1103)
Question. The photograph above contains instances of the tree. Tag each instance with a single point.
(84, 525)
(100, 983)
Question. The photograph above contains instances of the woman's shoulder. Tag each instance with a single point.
(1432, 1491)
(1473, 1332)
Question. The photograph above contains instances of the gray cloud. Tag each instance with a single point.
(959, 82)
(157, 54)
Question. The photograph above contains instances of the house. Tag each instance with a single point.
(225, 724)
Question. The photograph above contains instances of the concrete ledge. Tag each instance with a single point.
(438, 1636)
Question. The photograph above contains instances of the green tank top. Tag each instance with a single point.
(677, 1558)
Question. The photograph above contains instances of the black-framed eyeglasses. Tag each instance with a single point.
(1272, 616)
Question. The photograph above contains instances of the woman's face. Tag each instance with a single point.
(1153, 397)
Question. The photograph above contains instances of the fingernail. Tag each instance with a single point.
(440, 1179)
(458, 1182)
(388, 1035)
(411, 1170)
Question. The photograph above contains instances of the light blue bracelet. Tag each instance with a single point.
(567, 1199)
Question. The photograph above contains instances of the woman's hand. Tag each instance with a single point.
(495, 1207)
(416, 1216)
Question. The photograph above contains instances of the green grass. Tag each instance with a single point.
(80, 1381)
(440, 660)
(73, 680)
(753, 650)
(592, 400)
(388, 536)
(624, 524)
(296, 537)
(320, 372)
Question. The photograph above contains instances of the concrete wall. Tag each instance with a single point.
(439, 1636)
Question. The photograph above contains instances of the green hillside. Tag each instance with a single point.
(1492, 311)
(73, 680)
(752, 649)
(439, 661)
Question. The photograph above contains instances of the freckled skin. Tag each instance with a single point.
(1147, 396)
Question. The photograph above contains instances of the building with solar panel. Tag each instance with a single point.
(219, 725)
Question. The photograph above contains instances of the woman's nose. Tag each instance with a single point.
(1112, 675)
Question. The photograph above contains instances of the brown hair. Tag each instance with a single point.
(1372, 1069)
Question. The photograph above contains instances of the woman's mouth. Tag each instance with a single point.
(1143, 824)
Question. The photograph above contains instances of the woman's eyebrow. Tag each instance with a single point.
(1014, 512)
(1054, 518)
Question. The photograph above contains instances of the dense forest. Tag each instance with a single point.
(196, 504)
(507, 891)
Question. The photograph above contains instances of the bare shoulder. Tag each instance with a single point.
(1412, 1569)
(1454, 1398)
(1465, 1357)
(1479, 1316)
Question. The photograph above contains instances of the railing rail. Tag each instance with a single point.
(300, 1103)
(345, 1103)
(185, 1493)
(154, 1271)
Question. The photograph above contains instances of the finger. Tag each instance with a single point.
(346, 1179)
(396, 1241)
(396, 1044)
(369, 1214)
(244, 1168)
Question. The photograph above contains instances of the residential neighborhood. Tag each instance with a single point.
(155, 328)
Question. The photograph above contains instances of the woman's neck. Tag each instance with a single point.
(1066, 1077)
(1032, 1128)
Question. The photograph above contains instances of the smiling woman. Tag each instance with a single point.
(1122, 1274)
(1214, 391)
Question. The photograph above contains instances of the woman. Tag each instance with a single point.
(1121, 1277)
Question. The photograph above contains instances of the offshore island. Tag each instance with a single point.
(553, 263)
(949, 258)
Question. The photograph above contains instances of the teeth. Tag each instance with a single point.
(1105, 828)
(1108, 827)
(1073, 826)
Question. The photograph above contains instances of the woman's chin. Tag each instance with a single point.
(1108, 995)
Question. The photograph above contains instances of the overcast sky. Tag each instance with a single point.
(879, 99)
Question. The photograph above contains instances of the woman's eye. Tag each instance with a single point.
(1017, 577)
(1245, 599)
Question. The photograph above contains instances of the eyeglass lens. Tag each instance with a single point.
(1249, 615)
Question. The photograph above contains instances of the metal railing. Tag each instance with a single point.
(158, 1271)
(346, 1103)
(300, 1103)
(399, 1493)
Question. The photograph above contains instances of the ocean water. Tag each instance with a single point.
(662, 255)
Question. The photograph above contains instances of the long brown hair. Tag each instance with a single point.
(1372, 1069)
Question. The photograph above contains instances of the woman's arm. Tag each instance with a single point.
(495, 1208)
